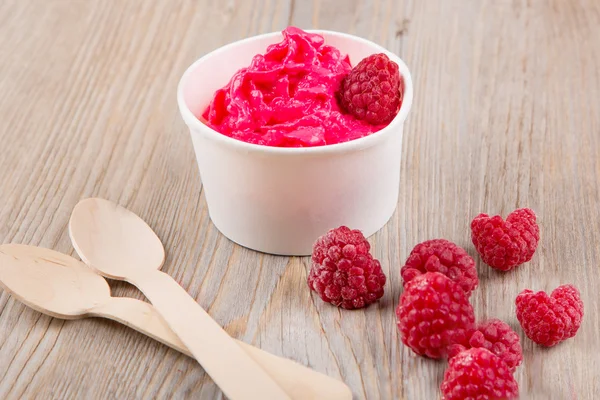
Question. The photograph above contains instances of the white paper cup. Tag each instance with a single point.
(280, 200)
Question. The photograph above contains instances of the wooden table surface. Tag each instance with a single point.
(505, 115)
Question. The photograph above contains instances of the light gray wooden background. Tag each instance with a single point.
(506, 114)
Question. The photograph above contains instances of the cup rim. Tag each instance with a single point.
(194, 123)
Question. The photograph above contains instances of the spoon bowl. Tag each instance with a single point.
(51, 282)
(107, 232)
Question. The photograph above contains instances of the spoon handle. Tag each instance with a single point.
(236, 373)
(142, 317)
(299, 382)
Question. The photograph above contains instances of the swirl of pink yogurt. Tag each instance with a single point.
(286, 97)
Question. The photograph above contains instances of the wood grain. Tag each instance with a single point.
(505, 115)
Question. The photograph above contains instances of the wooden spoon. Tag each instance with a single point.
(120, 245)
(58, 285)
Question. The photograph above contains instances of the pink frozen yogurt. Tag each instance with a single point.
(286, 97)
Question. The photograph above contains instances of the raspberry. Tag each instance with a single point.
(440, 255)
(372, 90)
(505, 244)
(343, 271)
(499, 338)
(548, 320)
(434, 313)
(478, 374)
